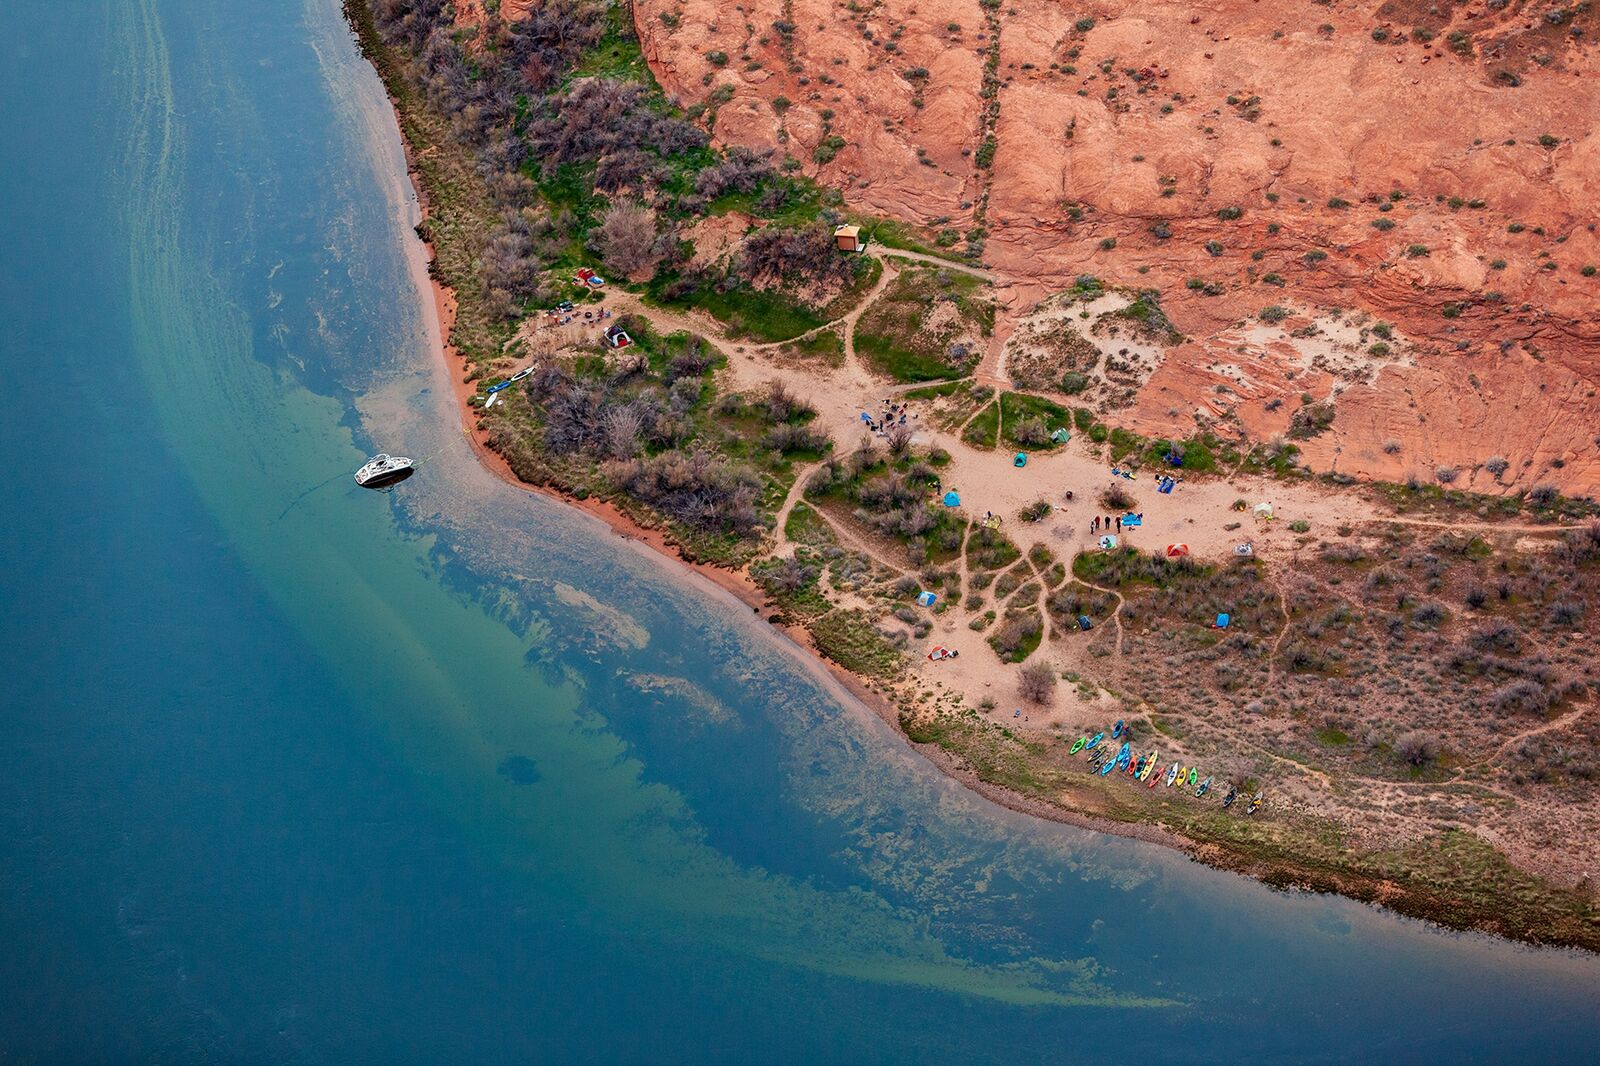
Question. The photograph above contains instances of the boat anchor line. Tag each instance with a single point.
(417, 465)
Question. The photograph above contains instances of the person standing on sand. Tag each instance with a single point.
(1119, 525)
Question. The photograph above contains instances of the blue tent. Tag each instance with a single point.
(1020, 460)
(951, 499)
(1084, 623)
(1223, 620)
(865, 417)
(926, 598)
(1131, 519)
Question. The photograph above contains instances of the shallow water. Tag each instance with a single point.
(297, 771)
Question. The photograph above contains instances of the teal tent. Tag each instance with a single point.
(1020, 460)
(1061, 436)
(951, 499)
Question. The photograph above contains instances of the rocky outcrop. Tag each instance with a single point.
(1430, 166)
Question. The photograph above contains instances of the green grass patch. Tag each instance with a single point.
(824, 345)
(805, 526)
(762, 315)
(850, 639)
(984, 428)
(927, 325)
(1018, 409)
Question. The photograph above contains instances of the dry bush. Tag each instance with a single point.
(600, 117)
(1036, 683)
(1118, 498)
(792, 438)
(781, 404)
(697, 488)
(1016, 631)
(626, 238)
(1417, 747)
(808, 253)
(621, 425)
(740, 170)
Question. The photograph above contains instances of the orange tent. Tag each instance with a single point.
(1175, 550)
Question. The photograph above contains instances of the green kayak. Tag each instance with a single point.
(1077, 745)
(1193, 777)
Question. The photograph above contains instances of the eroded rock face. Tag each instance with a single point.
(1139, 122)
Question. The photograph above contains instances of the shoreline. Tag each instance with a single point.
(738, 584)
(1281, 871)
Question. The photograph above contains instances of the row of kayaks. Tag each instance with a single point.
(1108, 759)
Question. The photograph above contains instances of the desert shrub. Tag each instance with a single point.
(481, 100)
(1581, 545)
(1016, 632)
(1273, 314)
(1521, 696)
(739, 170)
(1310, 420)
(808, 252)
(780, 404)
(1030, 432)
(601, 117)
(789, 437)
(788, 575)
(1036, 682)
(1496, 465)
(701, 490)
(1565, 613)
(510, 262)
(1417, 747)
(626, 238)
(1036, 511)
(1428, 615)
(1117, 498)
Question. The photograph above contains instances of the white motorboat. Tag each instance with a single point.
(384, 470)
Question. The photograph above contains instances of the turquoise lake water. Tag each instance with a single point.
(294, 771)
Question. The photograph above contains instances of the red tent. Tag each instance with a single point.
(1175, 550)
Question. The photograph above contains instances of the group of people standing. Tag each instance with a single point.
(1096, 525)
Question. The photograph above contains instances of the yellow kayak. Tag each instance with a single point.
(1149, 765)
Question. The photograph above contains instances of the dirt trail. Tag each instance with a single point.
(781, 519)
(1570, 718)
(1116, 614)
(932, 260)
(1283, 633)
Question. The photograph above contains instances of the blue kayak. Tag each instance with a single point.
(1098, 737)
(1110, 764)
(1123, 756)
(1116, 730)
